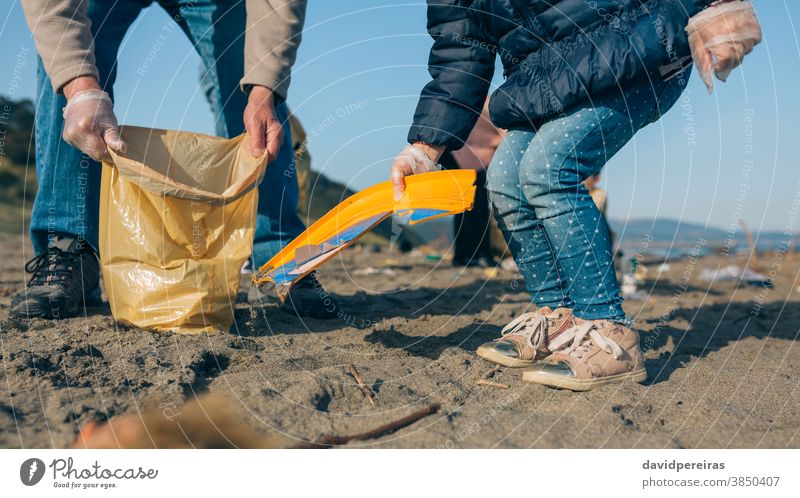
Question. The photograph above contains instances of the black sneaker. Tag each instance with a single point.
(61, 278)
(309, 298)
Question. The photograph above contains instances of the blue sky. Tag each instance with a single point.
(711, 159)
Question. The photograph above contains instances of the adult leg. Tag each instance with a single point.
(277, 221)
(68, 196)
(565, 152)
(216, 28)
(65, 214)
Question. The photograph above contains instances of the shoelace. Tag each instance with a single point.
(532, 326)
(581, 343)
(51, 265)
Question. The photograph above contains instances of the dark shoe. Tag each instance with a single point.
(62, 277)
(309, 298)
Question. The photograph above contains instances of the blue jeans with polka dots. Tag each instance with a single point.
(554, 230)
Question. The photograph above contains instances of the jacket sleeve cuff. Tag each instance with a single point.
(442, 122)
(279, 84)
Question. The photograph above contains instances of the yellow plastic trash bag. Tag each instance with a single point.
(177, 218)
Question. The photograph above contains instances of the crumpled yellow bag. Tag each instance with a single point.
(177, 215)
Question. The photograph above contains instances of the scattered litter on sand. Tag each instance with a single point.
(370, 270)
(633, 275)
(630, 288)
(734, 273)
(635, 295)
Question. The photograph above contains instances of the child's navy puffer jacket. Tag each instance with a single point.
(555, 54)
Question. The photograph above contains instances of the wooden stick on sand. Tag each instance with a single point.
(361, 384)
(489, 383)
(329, 441)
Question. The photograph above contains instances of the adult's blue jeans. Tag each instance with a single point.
(554, 230)
(67, 201)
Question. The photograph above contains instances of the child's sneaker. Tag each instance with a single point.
(527, 337)
(588, 355)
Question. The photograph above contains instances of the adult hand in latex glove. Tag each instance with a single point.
(90, 124)
(413, 159)
(266, 132)
(720, 36)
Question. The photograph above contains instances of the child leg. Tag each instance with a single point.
(521, 228)
(563, 153)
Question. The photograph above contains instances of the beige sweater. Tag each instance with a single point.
(64, 41)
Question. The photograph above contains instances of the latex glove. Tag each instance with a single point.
(720, 36)
(266, 132)
(90, 124)
(413, 159)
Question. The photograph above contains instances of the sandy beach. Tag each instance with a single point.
(723, 366)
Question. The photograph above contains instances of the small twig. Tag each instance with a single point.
(329, 441)
(361, 384)
(489, 383)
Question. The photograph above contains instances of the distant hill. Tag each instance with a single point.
(664, 231)
(17, 181)
(663, 237)
(16, 150)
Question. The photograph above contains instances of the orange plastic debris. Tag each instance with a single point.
(427, 196)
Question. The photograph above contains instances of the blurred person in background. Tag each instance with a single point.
(472, 229)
